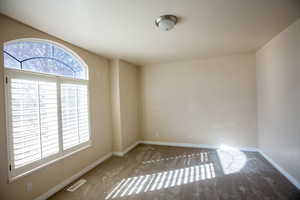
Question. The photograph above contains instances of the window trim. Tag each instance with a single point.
(50, 162)
(14, 174)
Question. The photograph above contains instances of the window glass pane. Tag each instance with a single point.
(60, 54)
(10, 62)
(43, 57)
(28, 49)
(47, 66)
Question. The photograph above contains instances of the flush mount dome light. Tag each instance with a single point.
(166, 22)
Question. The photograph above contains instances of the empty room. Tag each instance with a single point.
(150, 100)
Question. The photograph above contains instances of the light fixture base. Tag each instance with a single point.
(166, 22)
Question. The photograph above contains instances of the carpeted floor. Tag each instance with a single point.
(172, 173)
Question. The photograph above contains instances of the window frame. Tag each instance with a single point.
(14, 174)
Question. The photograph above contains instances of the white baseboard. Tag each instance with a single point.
(281, 170)
(119, 153)
(189, 145)
(66, 182)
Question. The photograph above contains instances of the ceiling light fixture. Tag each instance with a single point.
(166, 22)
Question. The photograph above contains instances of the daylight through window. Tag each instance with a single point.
(47, 103)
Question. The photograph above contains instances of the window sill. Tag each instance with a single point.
(14, 178)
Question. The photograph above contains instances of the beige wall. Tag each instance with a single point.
(116, 107)
(129, 103)
(278, 89)
(125, 101)
(57, 172)
(208, 102)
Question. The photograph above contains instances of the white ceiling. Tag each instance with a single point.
(125, 28)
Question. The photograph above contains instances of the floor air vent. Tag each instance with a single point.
(76, 185)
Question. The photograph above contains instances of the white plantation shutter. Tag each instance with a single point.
(33, 123)
(25, 122)
(48, 118)
(75, 118)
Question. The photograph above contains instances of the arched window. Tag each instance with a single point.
(43, 57)
(47, 103)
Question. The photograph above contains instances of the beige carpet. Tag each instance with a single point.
(171, 173)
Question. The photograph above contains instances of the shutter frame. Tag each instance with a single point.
(77, 86)
(28, 169)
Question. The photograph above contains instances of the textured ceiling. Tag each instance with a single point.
(125, 28)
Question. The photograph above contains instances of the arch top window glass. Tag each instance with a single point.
(43, 57)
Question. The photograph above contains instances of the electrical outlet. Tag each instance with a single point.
(156, 133)
(29, 187)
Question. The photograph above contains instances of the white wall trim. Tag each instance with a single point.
(122, 153)
(281, 170)
(118, 153)
(69, 180)
(189, 145)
